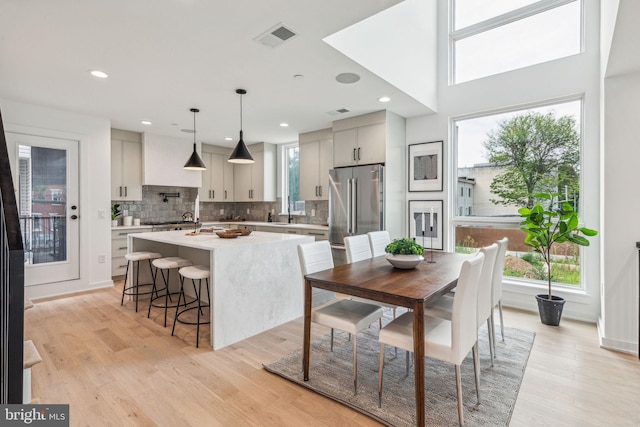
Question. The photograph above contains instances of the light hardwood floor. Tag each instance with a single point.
(115, 367)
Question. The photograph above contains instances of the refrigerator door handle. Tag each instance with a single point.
(354, 206)
(348, 206)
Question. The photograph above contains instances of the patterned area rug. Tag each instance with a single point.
(331, 376)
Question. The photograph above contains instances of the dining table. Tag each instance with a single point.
(376, 279)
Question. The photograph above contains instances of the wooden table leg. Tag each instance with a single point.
(307, 329)
(418, 363)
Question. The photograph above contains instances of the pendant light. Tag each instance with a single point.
(241, 153)
(195, 163)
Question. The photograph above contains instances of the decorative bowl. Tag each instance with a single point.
(405, 262)
(227, 235)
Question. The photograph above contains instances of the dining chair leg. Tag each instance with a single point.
(493, 331)
(501, 321)
(331, 339)
(406, 372)
(476, 369)
(491, 346)
(355, 367)
(459, 393)
(380, 370)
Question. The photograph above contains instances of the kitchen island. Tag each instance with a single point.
(255, 282)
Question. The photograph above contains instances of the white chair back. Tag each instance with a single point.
(496, 292)
(357, 248)
(464, 330)
(486, 282)
(378, 241)
(315, 256)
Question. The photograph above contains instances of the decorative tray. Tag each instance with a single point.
(228, 234)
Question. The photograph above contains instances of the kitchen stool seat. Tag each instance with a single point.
(195, 272)
(165, 265)
(132, 288)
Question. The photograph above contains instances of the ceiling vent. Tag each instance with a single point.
(276, 36)
(338, 112)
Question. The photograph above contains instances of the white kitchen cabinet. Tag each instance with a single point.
(256, 182)
(318, 234)
(126, 165)
(361, 145)
(217, 179)
(316, 159)
(119, 248)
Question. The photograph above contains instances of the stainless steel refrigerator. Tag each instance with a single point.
(356, 201)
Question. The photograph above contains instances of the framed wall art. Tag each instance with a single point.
(425, 166)
(425, 223)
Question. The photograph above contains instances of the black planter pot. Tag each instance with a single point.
(550, 310)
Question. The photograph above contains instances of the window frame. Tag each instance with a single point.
(285, 177)
(513, 222)
(515, 15)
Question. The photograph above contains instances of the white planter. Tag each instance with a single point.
(114, 222)
(405, 262)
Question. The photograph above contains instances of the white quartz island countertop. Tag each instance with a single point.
(256, 282)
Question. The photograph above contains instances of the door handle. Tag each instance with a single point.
(120, 191)
(320, 190)
(354, 154)
(358, 153)
(225, 194)
(125, 191)
(74, 217)
(213, 194)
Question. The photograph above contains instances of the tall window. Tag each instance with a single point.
(505, 159)
(291, 180)
(493, 36)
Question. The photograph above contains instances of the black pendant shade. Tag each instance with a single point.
(241, 153)
(194, 162)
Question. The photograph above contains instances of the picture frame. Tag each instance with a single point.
(425, 166)
(420, 212)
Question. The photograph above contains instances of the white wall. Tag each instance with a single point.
(95, 176)
(621, 229)
(577, 75)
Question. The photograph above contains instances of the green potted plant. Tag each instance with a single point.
(404, 253)
(544, 228)
(115, 213)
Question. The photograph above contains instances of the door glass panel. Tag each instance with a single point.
(42, 200)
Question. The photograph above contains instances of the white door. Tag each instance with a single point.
(45, 174)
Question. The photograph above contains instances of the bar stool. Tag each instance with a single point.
(168, 264)
(196, 272)
(133, 289)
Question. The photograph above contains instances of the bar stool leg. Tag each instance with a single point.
(124, 285)
(180, 294)
(137, 268)
(199, 312)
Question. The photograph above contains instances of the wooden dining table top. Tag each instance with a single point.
(378, 280)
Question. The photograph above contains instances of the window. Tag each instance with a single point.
(291, 180)
(494, 36)
(547, 143)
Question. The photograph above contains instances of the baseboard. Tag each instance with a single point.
(616, 345)
(50, 290)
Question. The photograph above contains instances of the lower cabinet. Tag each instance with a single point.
(119, 249)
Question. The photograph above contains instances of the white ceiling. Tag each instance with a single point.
(164, 57)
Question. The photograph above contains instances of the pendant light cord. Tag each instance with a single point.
(194, 130)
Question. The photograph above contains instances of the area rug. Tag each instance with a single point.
(331, 375)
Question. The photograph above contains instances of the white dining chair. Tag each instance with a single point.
(496, 292)
(343, 314)
(358, 249)
(378, 241)
(443, 307)
(445, 340)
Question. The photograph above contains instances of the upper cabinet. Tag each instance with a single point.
(316, 159)
(217, 180)
(126, 165)
(163, 161)
(256, 182)
(360, 140)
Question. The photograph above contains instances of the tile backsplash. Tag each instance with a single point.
(153, 208)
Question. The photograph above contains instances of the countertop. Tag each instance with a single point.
(209, 241)
(253, 223)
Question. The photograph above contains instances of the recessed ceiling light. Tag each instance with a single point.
(384, 99)
(347, 78)
(145, 122)
(284, 125)
(228, 138)
(99, 74)
(298, 76)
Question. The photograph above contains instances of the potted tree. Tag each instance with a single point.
(544, 228)
(404, 253)
(115, 213)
